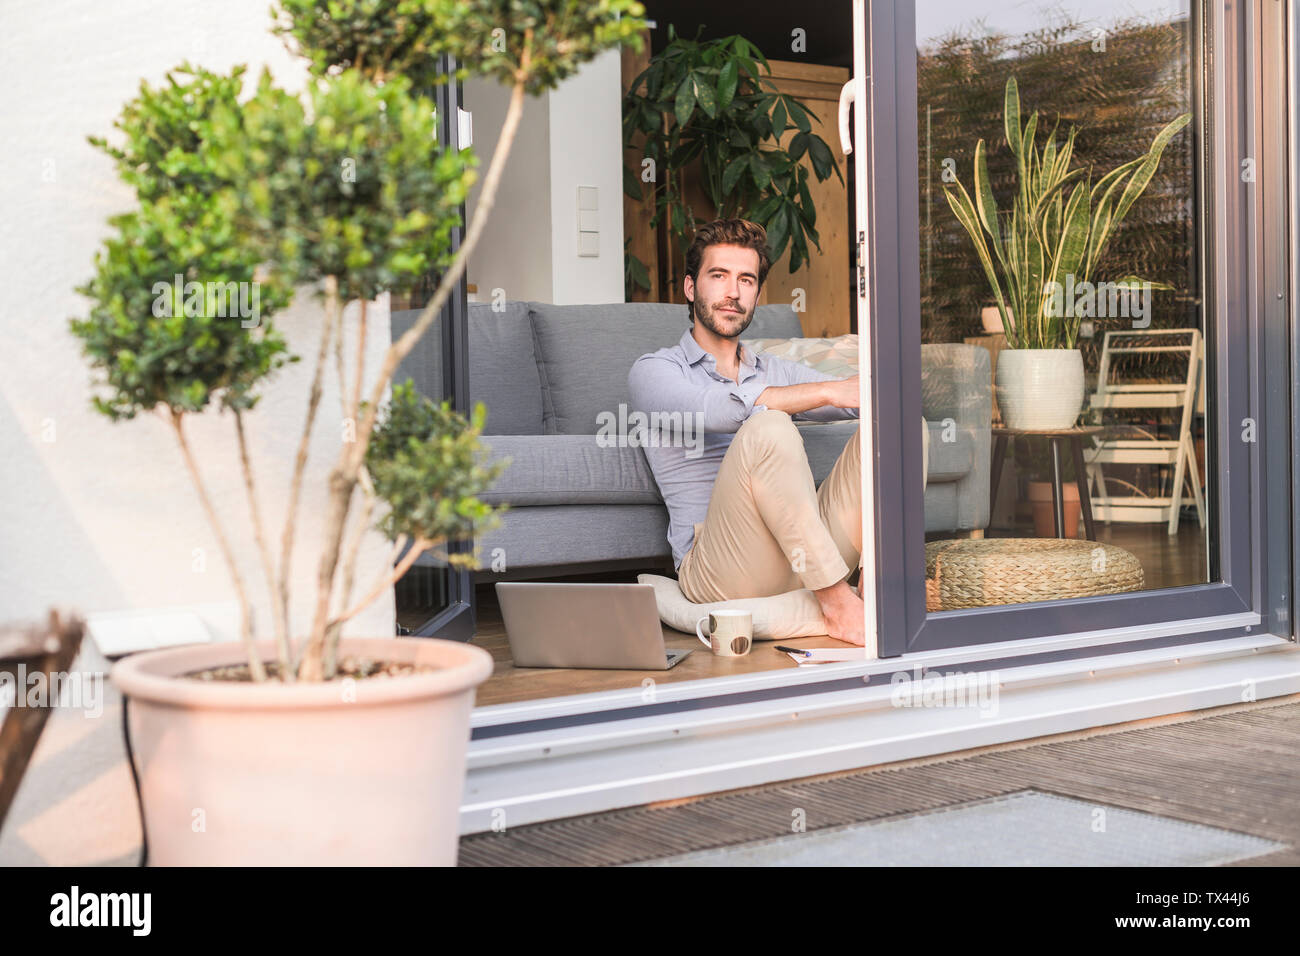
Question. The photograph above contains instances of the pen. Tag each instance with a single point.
(793, 650)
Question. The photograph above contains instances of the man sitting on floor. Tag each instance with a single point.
(745, 518)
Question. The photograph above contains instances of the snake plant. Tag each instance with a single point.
(1056, 230)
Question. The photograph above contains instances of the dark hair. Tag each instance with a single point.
(728, 232)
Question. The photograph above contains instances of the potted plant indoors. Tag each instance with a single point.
(314, 747)
(1040, 257)
(708, 109)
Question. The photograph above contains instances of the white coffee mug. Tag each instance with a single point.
(731, 633)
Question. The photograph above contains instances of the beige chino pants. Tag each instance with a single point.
(768, 529)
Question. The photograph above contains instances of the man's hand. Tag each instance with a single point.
(843, 393)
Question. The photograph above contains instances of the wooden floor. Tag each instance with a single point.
(1167, 561)
(509, 684)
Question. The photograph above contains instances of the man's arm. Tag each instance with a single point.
(810, 395)
(658, 384)
(806, 396)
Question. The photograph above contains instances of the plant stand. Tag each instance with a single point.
(1074, 437)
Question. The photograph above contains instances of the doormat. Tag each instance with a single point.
(1028, 828)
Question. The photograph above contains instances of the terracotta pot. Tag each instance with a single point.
(991, 319)
(364, 772)
(1040, 498)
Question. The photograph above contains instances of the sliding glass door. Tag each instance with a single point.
(434, 599)
(1068, 259)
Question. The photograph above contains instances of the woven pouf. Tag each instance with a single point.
(981, 572)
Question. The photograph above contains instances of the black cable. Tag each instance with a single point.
(135, 780)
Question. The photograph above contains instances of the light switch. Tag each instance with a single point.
(588, 221)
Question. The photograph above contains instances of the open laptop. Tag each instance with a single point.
(584, 625)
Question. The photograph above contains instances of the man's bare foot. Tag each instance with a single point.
(844, 613)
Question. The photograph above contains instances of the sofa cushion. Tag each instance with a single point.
(575, 469)
(956, 383)
(503, 369)
(951, 459)
(584, 353)
(502, 365)
(774, 322)
(823, 442)
(569, 470)
(551, 535)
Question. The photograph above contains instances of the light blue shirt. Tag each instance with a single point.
(694, 411)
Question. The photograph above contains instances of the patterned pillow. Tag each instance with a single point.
(837, 357)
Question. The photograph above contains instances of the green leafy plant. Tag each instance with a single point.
(711, 101)
(346, 182)
(378, 38)
(533, 45)
(1117, 100)
(155, 347)
(387, 38)
(1048, 238)
(635, 274)
(418, 444)
(345, 191)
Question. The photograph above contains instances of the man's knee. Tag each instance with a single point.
(771, 429)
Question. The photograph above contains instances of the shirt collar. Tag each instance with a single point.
(748, 357)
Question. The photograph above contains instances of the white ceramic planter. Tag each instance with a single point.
(1040, 388)
(364, 772)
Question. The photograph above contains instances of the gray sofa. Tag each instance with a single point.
(546, 373)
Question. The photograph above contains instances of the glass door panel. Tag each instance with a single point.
(434, 599)
(1064, 397)
(1055, 218)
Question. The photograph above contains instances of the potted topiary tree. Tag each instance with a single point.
(1040, 258)
(314, 748)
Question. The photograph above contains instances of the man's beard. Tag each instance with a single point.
(708, 316)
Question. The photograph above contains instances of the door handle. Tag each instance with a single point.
(847, 95)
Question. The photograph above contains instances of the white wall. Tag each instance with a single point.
(587, 150)
(569, 137)
(96, 515)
